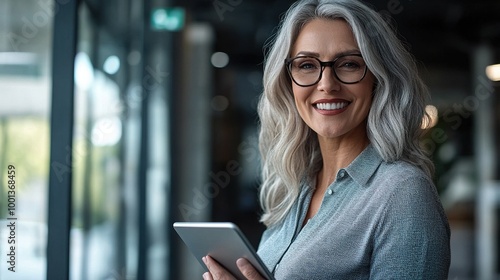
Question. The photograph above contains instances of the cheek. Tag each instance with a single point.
(301, 94)
(300, 99)
(367, 90)
(372, 82)
(367, 98)
(364, 101)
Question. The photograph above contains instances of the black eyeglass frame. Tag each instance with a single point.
(323, 65)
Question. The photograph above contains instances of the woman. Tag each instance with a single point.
(347, 190)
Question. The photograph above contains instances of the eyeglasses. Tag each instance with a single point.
(306, 71)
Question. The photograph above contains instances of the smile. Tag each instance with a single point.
(331, 106)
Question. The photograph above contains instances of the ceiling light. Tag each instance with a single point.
(220, 59)
(111, 65)
(493, 72)
(431, 118)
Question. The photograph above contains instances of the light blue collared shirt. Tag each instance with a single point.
(378, 220)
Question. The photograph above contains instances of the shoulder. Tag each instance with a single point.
(402, 169)
(401, 175)
(405, 188)
(411, 227)
(407, 194)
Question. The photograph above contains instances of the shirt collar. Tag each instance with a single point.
(364, 165)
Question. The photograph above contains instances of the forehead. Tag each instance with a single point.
(326, 38)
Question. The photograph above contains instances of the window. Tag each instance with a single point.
(25, 83)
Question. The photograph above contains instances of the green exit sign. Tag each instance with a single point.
(171, 19)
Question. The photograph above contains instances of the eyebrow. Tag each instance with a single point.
(314, 54)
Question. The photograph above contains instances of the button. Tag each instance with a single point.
(341, 173)
(330, 192)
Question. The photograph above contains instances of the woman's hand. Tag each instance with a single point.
(217, 272)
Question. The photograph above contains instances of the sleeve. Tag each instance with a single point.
(412, 239)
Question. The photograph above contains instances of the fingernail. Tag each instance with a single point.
(204, 259)
(241, 262)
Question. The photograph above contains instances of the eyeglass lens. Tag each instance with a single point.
(306, 71)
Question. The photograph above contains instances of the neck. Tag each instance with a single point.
(338, 153)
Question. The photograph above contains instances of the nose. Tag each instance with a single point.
(328, 82)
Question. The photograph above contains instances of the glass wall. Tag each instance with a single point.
(106, 142)
(25, 83)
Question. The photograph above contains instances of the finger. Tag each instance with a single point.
(216, 270)
(207, 276)
(248, 270)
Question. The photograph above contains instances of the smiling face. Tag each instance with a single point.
(332, 109)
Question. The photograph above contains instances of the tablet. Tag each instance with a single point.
(222, 241)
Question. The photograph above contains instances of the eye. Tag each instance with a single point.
(305, 64)
(349, 63)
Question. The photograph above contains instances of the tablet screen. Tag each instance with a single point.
(222, 241)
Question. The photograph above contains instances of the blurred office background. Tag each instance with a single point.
(124, 116)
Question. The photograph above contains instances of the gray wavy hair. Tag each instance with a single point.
(289, 148)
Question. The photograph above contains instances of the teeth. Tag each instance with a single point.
(331, 106)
